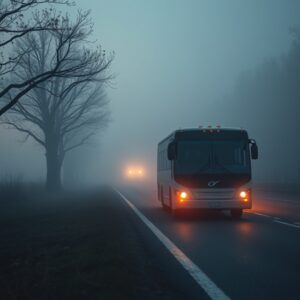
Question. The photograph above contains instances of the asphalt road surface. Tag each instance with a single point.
(256, 257)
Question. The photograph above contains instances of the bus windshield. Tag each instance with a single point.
(212, 157)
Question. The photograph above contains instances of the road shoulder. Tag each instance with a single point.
(84, 246)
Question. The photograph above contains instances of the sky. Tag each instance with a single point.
(173, 60)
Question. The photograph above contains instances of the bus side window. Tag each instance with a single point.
(160, 160)
(166, 160)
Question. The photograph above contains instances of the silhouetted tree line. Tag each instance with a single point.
(266, 101)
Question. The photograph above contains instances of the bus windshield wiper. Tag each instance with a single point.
(204, 167)
(221, 165)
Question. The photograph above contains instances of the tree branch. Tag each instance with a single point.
(27, 131)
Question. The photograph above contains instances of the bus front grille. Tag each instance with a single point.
(215, 194)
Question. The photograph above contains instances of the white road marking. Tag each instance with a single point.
(212, 290)
(262, 215)
(282, 201)
(288, 224)
(277, 220)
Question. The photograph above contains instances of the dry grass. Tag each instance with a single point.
(73, 247)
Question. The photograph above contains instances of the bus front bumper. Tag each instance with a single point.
(214, 204)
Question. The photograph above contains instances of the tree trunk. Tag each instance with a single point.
(53, 182)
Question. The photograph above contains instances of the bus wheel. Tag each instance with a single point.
(176, 213)
(236, 213)
(164, 206)
(158, 193)
(170, 200)
(173, 210)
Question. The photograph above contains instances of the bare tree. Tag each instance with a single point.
(63, 112)
(16, 21)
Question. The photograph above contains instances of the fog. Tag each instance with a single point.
(181, 64)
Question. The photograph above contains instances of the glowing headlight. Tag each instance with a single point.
(243, 194)
(182, 196)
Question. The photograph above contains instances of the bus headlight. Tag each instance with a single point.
(182, 196)
(244, 195)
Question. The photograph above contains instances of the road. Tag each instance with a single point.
(257, 257)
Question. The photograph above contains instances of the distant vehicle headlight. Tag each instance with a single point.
(134, 172)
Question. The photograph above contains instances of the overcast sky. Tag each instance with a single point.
(173, 58)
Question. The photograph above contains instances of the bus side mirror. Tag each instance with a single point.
(254, 149)
(172, 151)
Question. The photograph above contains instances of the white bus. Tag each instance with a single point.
(208, 168)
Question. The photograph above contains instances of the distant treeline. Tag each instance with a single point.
(266, 101)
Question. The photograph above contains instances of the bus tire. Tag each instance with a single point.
(158, 193)
(170, 200)
(164, 206)
(174, 211)
(236, 213)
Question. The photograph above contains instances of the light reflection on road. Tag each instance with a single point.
(185, 231)
(245, 228)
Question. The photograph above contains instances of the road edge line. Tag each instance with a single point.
(287, 224)
(211, 289)
(261, 215)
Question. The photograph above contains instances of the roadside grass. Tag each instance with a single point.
(13, 188)
(72, 246)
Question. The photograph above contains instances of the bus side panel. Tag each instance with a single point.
(164, 174)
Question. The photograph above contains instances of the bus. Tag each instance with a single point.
(206, 168)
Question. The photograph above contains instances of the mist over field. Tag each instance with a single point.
(181, 64)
